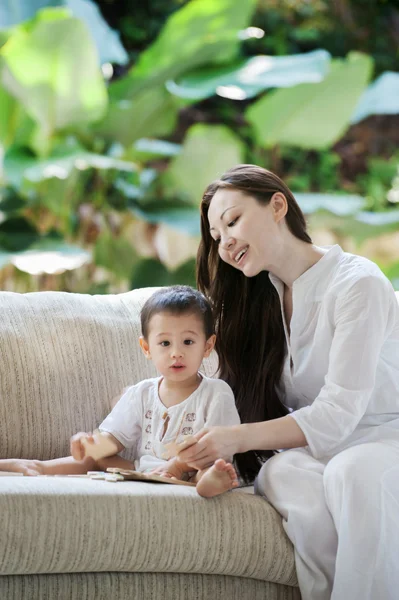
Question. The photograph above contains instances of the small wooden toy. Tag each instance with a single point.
(113, 474)
(102, 446)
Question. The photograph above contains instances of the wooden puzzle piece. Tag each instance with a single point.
(114, 474)
(173, 448)
(102, 446)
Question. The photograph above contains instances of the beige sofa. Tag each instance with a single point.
(63, 357)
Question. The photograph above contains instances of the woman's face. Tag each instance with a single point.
(245, 230)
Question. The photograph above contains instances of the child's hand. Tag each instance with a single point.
(173, 468)
(78, 450)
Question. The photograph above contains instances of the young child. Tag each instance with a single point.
(177, 333)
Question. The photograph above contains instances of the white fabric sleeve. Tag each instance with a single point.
(361, 321)
(124, 422)
(222, 409)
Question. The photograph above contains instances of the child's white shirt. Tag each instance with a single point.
(138, 419)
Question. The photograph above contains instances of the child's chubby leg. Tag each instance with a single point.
(63, 466)
(78, 464)
(58, 466)
(219, 478)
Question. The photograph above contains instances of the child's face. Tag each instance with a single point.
(177, 344)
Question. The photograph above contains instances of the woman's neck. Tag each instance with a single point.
(175, 392)
(295, 258)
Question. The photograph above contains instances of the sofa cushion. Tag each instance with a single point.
(63, 358)
(141, 586)
(72, 525)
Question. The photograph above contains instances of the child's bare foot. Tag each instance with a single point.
(220, 478)
(20, 465)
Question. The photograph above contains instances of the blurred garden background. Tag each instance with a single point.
(115, 115)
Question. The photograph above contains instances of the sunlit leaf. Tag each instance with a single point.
(51, 257)
(380, 98)
(208, 151)
(312, 116)
(109, 46)
(253, 75)
(63, 85)
(19, 164)
(340, 205)
(201, 32)
(147, 149)
(152, 112)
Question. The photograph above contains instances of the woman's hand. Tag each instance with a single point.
(212, 443)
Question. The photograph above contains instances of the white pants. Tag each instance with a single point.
(342, 516)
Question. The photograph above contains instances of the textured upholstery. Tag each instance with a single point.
(63, 358)
(142, 586)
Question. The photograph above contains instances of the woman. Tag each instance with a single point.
(308, 338)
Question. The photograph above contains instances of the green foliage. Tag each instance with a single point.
(312, 116)
(150, 273)
(86, 183)
(252, 76)
(207, 152)
(201, 32)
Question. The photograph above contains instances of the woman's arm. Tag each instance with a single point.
(223, 442)
(270, 435)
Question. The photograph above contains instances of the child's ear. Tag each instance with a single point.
(145, 347)
(209, 345)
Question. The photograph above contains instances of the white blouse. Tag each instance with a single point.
(341, 372)
(141, 421)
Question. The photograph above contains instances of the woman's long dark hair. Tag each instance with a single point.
(250, 337)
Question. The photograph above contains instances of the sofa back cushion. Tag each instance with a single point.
(64, 358)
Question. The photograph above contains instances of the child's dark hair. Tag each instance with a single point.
(177, 300)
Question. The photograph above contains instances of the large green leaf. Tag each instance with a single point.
(380, 98)
(312, 116)
(202, 32)
(16, 127)
(109, 46)
(50, 255)
(337, 204)
(20, 165)
(208, 151)
(146, 149)
(152, 112)
(251, 76)
(63, 85)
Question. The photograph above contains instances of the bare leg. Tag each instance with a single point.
(220, 478)
(63, 466)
